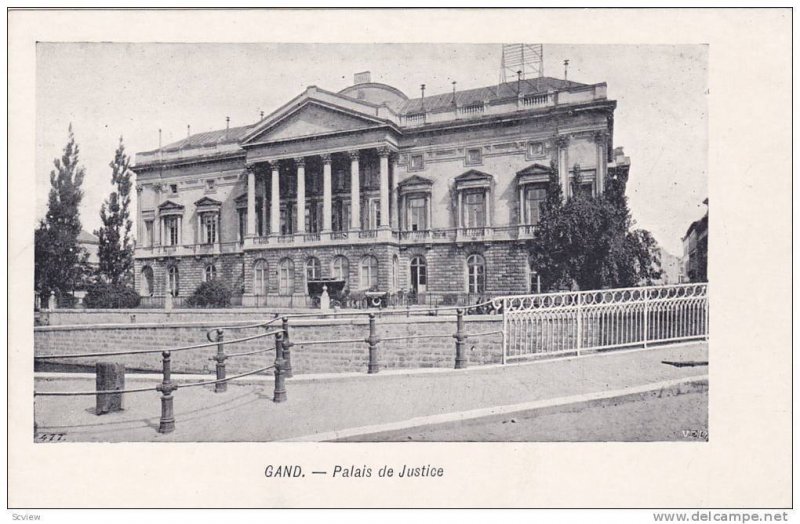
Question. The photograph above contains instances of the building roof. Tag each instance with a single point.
(84, 237)
(466, 97)
(491, 93)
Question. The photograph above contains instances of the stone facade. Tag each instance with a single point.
(452, 179)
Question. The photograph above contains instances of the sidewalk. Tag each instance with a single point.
(324, 407)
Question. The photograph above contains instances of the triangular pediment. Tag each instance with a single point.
(169, 205)
(312, 118)
(206, 201)
(473, 175)
(535, 169)
(416, 180)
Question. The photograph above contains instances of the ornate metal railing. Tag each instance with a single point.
(557, 323)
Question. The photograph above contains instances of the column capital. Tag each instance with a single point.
(139, 188)
(354, 155)
(384, 151)
(300, 161)
(601, 137)
(562, 140)
(250, 168)
(326, 158)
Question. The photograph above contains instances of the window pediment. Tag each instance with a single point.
(415, 184)
(473, 179)
(534, 173)
(170, 208)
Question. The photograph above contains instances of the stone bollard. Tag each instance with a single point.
(373, 341)
(109, 376)
(461, 361)
(279, 394)
(220, 358)
(167, 422)
(51, 304)
(287, 348)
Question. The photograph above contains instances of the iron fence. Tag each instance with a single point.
(558, 323)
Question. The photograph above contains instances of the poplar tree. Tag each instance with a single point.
(58, 259)
(115, 252)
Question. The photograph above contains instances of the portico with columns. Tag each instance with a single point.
(374, 188)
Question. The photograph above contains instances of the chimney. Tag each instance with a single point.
(188, 130)
(362, 78)
(262, 116)
(566, 66)
(227, 123)
(159, 138)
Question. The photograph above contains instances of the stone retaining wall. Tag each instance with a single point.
(322, 358)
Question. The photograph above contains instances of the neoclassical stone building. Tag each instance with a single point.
(437, 194)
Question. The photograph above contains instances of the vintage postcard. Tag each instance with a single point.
(271, 251)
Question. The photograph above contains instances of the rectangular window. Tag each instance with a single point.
(474, 156)
(374, 213)
(535, 150)
(587, 189)
(210, 185)
(474, 209)
(287, 219)
(148, 233)
(209, 228)
(242, 224)
(534, 197)
(417, 214)
(173, 189)
(416, 162)
(171, 230)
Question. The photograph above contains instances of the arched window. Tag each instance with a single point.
(286, 277)
(340, 268)
(476, 274)
(419, 274)
(313, 269)
(211, 272)
(260, 277)
(172, 281)
(369, 272)
(147, 281)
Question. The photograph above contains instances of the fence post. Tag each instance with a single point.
(461, 362)
(167, 423)
(505, 331)
(579, 342)
(220, 358)
(373, 341)
(279, 394)
(646, 316)
(287, 348)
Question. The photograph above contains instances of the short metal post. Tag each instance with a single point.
(220, 358)
(461, 361)
(280, 374)
(167, 423)
(373, 341)
(646, 316)
(287, 348)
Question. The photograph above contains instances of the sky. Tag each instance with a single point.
(113, 90)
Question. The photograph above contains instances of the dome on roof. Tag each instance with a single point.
(376, 93)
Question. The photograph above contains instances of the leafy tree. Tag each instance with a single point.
(212, 293)
(116, 250)
(58, 259)
(589, 241)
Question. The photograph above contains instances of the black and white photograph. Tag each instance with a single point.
(345, 241)
(461, 237)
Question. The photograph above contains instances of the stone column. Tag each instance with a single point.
(384, 193)
(601, 138)
(275, 204)
(300, 227)
(157, 218)
(140, 229)
(251, 202)
(562, 142)
(327, 197)
(355, 192)
(264, 201)
(393, 207)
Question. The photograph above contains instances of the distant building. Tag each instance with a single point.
(671, 267)
(430, 195)
(91, 244)
(695, 249)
